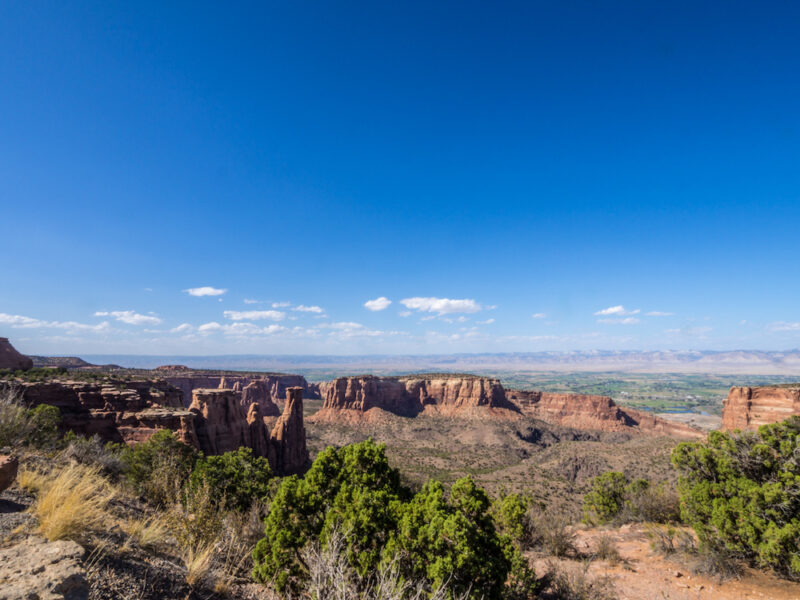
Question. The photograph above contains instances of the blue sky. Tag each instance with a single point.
(503, 173)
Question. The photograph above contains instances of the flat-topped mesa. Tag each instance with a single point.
(600, 413)
(751, 407)
(11, 359)
(409, 395)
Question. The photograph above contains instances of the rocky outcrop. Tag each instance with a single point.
(40, 570)
(751, 407)
(596, 413)
(408, 396)
(116, 410)
(288, 438)
(11, 359)
(223, 425)
(268, 389)
(8, 471)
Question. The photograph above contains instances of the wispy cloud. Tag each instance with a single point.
(658, 313)
(377, 304)
(617, 311)
(206, 290)
(623, 321)
(22, 322)
(254, 315)
(130, 317)
(281, 304)
(486, 322)
(239, 329)
(251, 301)
(404, 313)
(182, 328)
(784, 326)
(539, 315)
(442, 306)
(309, 309)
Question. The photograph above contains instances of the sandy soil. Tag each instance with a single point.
(644, 575)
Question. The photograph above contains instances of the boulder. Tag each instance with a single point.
(39, 570)
(8, 471)
(11, 359)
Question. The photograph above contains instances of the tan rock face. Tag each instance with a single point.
(749, 408)
(117, 411)
(598, 413)
(8, 471)
(11, 359)
(288, 452)
(41, 570)
(408, 396)
(268, 388)
(220, 420)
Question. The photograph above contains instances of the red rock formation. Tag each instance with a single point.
(410, 395)
(749, 408)
(8, 471)
(288, 452)
(117, 411)
(220, 422)
(599, 413)
(273, 387)
(11, 359)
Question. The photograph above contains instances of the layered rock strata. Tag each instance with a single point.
(217, 420)
(409, 396)
(11, 359)
(268, 388)
(598, 413)
(751, 407)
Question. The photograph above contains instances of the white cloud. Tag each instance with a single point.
(205, 290)
(239, 329)
(254, 315)
(690, 331)
(182, 328)
(404, 313)
(22, 322)
(309, 309)
(625, 321)
(251, 301)
(442, 306)
(618, 311)
(281, 304)
(130, 317)
(539, 316)
(381, 303)
(784, 326)
(658, 313)
(486, 322)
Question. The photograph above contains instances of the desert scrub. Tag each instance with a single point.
(37, 427)
(238, 478)
(615, 498)
(740, 492)
(72, 502)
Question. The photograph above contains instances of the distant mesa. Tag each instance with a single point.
(366, 397)
(172, 368)
(11, 359)
(751, 407)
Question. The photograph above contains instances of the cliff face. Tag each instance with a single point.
(408, 396)
(117, 411)
(268, 388)
(11, 359)
(749, 408)
(217, 420)
(599, 413)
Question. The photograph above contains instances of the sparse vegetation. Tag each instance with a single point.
(614, 498)
(37, 427)
(741, 493)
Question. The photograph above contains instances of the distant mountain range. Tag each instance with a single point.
(681, 361)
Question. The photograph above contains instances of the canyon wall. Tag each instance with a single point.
(751, 407)
(11, 359)
(458, 395)
(267, 389)
(408, 396)
(216, 421)
(599, 413)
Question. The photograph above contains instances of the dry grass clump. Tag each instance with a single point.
(573, 582)
(668, 540)
(606, 549)
(70, 503)
(150, 533)
(31, 480)
(552, 533)
(198, 560)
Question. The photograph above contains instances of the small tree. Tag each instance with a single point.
(238, 477)
(605, 499)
